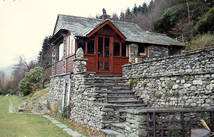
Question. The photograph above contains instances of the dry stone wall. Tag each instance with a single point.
(78, 94)
(184, 80)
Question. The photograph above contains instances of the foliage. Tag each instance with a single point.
(45, 54)
(169, 18)
(133, 82)
(201, 41)
(31, 81)
(25, 87)
(187, 78)
(169, 85)
(206, 24)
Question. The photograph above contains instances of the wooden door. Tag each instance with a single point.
(104, 54)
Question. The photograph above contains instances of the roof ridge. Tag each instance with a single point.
(117, 21)
(79, 17)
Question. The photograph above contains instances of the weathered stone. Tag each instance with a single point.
(79, 53)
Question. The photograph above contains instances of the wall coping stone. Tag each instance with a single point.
(174, 74)
(60, 75)
(168, 109)
(80, 59)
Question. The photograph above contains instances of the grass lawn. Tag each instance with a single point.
(25, 125)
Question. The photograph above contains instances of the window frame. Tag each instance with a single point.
(87, 47)
(141, 54)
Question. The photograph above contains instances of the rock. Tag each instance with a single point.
(79, 53)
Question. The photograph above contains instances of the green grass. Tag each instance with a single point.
(25, 125)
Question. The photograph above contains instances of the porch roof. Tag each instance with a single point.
(81, 26)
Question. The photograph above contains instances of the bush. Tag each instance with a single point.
(201, 41)
(25, 87)
(206, 24)
(32, 80)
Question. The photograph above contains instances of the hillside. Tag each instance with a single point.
(190, 21)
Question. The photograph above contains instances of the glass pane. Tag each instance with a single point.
(100, 47)
(124, 50)
(141, 50)
(106, 65)
(90, 47)
(106, 47)
(116, 49)
(100, 65)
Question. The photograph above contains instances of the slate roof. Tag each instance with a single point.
(81, 26)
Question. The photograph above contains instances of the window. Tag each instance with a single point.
(90, 47)
(100, 47)
(116, 49)
(61, 51)
(142, 50)
(81, 44)
(124, 50)
(174, 51)
(107, 47)
(72, 45)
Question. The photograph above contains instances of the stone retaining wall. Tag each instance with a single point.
(57, 91)
(185, 80)
(78, 94)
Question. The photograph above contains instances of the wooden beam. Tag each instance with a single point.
(107, 22)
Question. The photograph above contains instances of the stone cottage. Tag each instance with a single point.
(106, 44)
(98, 76)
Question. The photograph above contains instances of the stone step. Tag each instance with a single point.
(120, 98)
(126, 102)
(117, 126)
(121, 88)
(120, 92)
(111, 133)
(125, 106)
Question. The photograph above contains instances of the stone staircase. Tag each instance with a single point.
(119, 99)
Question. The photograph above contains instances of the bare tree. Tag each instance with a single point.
(143, 21)
(19, 70)
(2, 79)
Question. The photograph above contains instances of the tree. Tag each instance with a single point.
(104, 16)
(115, 17)
(44, 58)
(134, 10)
(32, 80)
(128, 15)
(122, 16)
(19, 71)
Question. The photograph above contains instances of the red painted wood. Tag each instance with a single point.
(59, 67)
(107, 22)
(69, 64)
(91, 63)
(118, 62)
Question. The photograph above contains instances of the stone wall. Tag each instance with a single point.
(185, 80)
(153, 51)
(78, 93)
(165, 121)
(158, 51)
(58, 89)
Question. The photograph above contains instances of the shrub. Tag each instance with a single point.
(206, 23)
(25, 87)
(201, 41)
(32, 80)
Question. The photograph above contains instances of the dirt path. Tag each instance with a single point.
(10, 106)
